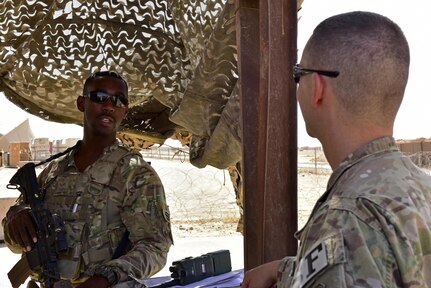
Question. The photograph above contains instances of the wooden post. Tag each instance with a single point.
(252, 113)
(266, 38)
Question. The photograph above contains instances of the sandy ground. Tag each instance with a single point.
(203, 209)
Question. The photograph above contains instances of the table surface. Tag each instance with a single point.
(227, 280)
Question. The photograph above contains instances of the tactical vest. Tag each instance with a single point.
(85, 203)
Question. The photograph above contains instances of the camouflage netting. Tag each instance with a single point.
(178, 57)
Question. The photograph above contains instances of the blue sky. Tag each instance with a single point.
(414, 115)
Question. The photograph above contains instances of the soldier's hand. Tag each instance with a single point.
(21, 227)
(95, 281)
(263, 276)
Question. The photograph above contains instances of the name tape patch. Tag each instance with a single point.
(312, 263)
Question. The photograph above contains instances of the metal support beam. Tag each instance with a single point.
(253, 162)
(266, 38)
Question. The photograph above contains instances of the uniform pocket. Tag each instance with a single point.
(91, 205)
(60, 195)
(69, 262)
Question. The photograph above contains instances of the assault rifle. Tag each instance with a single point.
(51, 237)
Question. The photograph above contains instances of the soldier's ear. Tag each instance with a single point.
(318, 89)
(80, 103)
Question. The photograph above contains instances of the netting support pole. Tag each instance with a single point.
(266, 39)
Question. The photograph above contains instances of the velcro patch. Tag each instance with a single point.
(314, 261)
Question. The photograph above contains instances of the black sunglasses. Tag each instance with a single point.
(298, 72)
(100, 97)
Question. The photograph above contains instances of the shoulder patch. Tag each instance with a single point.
(314, 261)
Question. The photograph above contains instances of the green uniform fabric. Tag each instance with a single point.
(119, 191)
(372, 228)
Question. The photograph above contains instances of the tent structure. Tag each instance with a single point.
(211, 73)
(178, 57)
(21, 133)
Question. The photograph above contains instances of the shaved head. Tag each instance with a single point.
(372, 55)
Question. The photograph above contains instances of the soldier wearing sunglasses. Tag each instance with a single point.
(112, 202)
(372, 227)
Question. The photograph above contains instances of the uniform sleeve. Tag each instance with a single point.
(146, 216)
(344, 250)
(285, 271)
(12, 246)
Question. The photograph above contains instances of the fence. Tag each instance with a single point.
(201, 200)
(419, 152)
(167, 153)
(414, 146)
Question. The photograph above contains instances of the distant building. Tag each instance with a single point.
(40, 149)
(61, 145)
(18, 151)
(21, 133)
(19, 145)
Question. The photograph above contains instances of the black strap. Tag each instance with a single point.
(55, 156)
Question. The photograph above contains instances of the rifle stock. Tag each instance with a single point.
(19, 273)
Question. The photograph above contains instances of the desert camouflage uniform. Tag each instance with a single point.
(120, 190)
(372, 228)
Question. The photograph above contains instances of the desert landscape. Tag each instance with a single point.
(202, 201)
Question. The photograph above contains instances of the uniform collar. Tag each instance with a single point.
(383, 144)
(378, 145)
(114, 146)
(71, 159)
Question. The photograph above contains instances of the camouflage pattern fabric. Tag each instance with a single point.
(372, 228)
(179, 59)
(120, 190)
(235, 177)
